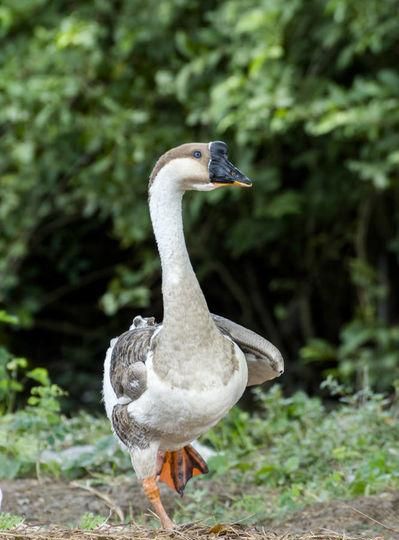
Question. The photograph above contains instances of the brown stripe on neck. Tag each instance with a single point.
(162, 161)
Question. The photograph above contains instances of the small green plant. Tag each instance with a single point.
(24, 434)
(9, 521)
(9, 371)
(10, 384)
(91, 521)
(27, 432)
(38, 441)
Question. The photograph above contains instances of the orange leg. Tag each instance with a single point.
(151, 491)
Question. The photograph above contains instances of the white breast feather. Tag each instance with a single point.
(184, 414)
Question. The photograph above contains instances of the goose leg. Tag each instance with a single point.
(152, 493)
(145, 462)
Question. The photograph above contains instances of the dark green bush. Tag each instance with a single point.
(306, 93)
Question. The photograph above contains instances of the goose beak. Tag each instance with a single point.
(221, 171)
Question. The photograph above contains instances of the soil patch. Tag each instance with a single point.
(63, 503)
(367, 516)
(53, 508)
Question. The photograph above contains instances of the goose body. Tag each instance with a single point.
(166, 384)
(178, 413)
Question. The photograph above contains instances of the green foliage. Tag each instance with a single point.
(24, 434)
(9, 385)
(9, 521)
(369, 348)
(10, 368)
(34, 438)
(14, 377)
(91, 521)
(306, 95)
(69, 448)
(7, 318)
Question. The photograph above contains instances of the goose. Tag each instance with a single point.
(167, 383)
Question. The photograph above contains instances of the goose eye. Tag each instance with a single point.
(197, 154)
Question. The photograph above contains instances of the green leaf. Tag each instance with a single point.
(7, 318)
(39, 375)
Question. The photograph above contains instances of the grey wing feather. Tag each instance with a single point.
(264, 360)
(128, 373)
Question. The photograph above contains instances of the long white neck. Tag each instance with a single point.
(190, 351)
(182, 295)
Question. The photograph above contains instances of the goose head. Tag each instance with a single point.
(198, 166)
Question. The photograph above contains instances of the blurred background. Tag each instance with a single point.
(305, 93)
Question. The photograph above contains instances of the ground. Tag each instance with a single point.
(61, 504)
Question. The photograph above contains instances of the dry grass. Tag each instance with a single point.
(186, 532)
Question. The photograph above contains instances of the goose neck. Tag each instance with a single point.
(182, 295)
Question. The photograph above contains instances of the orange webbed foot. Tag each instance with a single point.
(181, 465)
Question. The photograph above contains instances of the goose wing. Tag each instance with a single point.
(264, 360)
(128, 373)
